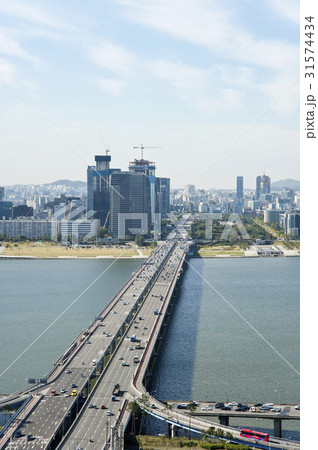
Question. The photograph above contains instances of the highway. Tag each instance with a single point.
(93, 424)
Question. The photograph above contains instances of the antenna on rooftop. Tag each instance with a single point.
(142, 150)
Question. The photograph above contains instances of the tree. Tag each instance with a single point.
(135, 409)
(139, 240)
(144, 401)
(102, 232)
(191, 407)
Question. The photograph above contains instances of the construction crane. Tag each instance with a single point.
(142, 150)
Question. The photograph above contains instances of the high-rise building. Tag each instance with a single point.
(5, 210)
(239, 188)
(98, 187)
(147, 168)
(22, 211)
(163, 196)
(263, 185)
(1, 193)
(130, 204)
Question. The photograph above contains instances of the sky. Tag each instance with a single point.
(214, 86)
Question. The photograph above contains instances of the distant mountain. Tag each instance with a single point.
(69, 183)
(289, 184)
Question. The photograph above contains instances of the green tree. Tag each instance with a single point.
(135, 410)
(139, 240)
(191, 406)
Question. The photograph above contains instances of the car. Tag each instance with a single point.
(120, 358)
(67, 394)
(124, 364)
(88, 342)
(226, 408)
(219, 405)
(29, 437)
(264, 408)
(281, 413)
(102, 407)
(232, 404)
(275, 410)
(73, 385)
(104, 332)
(182, 406)
(130, 348)
(257, 405)
(68, 371)
(18, 434)
(91, 406)
(74, 392)
(271, 405)
(115, 312)
(53, 392)
(109, 413)
(153, 406)
(297, 407)
(239, 408)
(206, 408)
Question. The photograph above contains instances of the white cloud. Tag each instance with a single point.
(209, 24)
(288, 9)
(112, 85)
(28, 12)
(10, 46)
(113, 57)
(7, 71)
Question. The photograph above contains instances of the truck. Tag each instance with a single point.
(156, 312)
(116, 390)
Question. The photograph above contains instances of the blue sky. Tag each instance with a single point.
(188, 76)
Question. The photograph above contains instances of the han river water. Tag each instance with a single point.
(233, 334)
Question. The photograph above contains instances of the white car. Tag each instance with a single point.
(206, 408)
(232, 404)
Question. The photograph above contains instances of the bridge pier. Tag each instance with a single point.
(224, 420)
(278, 428)
(172, 430)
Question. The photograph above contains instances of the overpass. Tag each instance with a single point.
(104, 355)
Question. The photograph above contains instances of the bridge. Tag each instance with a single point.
(77, 407)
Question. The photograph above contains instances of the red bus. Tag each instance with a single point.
(251, 434)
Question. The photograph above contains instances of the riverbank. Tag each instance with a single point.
(47, 250)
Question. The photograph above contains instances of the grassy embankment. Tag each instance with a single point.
(218, 250)
(53, 250)
(163, 442)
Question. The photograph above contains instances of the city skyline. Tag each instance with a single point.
(215, 86)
